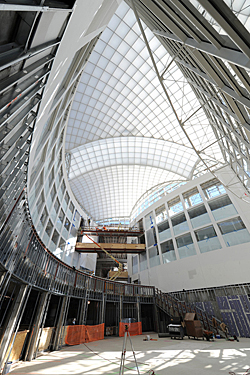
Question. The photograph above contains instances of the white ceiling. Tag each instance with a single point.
(122, 134)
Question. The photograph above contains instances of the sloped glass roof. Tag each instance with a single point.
(122, 134)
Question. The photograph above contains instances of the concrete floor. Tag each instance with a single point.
(164, 356)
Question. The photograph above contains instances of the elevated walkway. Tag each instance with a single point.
(111, 247)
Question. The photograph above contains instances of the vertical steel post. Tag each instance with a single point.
(36, 326)
(14, 319)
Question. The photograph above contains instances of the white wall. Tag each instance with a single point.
(228, 265)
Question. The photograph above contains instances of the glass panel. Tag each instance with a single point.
(192, 198)
(183, 227)
(161, 214)
(175, 207)
(186, 251)
(149, 221)
(49, 228)
(154, 258)
(236, 238)
(180, 224)
(209, 244)
(151, 237)
(135, 264)
(234, 232)
(224, 212)
(213, 188)
(168, 253)
(143, 261)
(165, 235)
(205, 233)
(222, 208)
(200, 220)
(185, 246)
(232, 225)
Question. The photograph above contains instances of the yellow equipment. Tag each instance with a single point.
(120, 265)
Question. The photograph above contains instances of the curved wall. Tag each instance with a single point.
(196, 237)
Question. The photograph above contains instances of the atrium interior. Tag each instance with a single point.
(125, 169)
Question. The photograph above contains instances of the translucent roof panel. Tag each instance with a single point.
(132, 151)
(121, 116)
(112, 191)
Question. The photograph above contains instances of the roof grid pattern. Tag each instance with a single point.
(120, 116)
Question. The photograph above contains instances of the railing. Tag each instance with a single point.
(25, 257)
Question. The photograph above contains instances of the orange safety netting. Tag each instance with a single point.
(80, 334)
(133, 328)
(75, 335)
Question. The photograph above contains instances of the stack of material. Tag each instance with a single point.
(193, 326)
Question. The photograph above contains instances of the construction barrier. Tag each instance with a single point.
(133, 328)
(77, 335)
(94, 333)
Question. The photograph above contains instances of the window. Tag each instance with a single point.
(185, 246)
(161, 214)
(61, 216)
(180, 224)
(197, 211)
(149, 221)
(213, 188)
(55, 237)
(163, 226)
(207, 239)
(154, 259)
(53, 192)
(40, 202)
(57, 205)
(49, 228)
(222, 208)
(63, 187)
(66, 198)
(175, 206)
(192, 198)
(205, 233)
(135, 264)
(231, 225)
(143, 261)
(234, 232)
(151, 237)
(168, 253)
(51, 177)
(67, 224)
(184, 240)
(71, 207)
(44, 216)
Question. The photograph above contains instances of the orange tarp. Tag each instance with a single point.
(80, 334)
(133, 328)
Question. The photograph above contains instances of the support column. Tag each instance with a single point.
(14, 320)
(157, 320)
(4, 283)
(61, 321)
(138, 309)
(36, 327)
(103, 308)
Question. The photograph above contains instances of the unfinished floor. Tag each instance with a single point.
(164, 356)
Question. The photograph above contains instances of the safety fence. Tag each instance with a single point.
(80, 334)
(134, 329)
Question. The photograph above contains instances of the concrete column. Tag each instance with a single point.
(36, 327)
(14, 319)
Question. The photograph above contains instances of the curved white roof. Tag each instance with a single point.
(122, 134)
